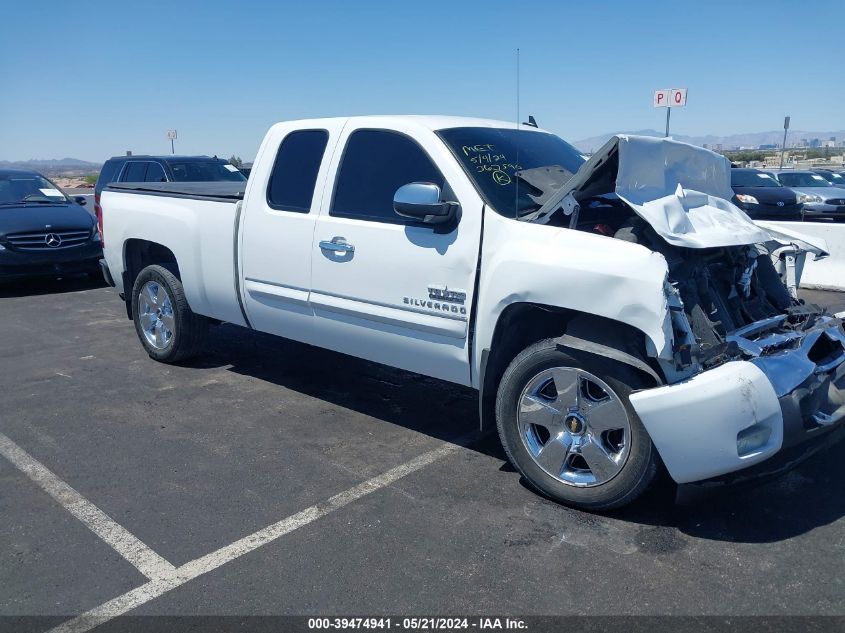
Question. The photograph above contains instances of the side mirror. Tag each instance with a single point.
(421, 201)
(80, 200)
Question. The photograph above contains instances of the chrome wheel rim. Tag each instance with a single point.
(574, 426)
(155, 314)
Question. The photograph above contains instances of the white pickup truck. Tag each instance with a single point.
(617, 315)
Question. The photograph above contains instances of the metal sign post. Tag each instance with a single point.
(670, 98)
(171, 134)
(783, 147)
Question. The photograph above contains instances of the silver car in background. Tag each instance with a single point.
(837, 179)
(822, 200)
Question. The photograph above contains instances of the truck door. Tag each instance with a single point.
(388, 288)
(282, 201)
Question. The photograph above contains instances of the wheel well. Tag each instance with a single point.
(137, 255)
(522, 324)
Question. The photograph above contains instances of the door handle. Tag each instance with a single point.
(337, 244)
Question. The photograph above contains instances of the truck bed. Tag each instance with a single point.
(196, 221)
(218, 190)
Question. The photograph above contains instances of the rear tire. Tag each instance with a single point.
(567, 425)
(167, 328)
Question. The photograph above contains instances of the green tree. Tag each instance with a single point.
(236, 161)
(745, 156)
(91, 179)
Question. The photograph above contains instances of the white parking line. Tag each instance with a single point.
(190, 570)
(146, 560)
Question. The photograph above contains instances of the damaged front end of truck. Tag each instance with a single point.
(755, 369)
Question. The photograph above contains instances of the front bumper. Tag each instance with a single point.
(824, 210)
(772, 211)
(104, 268)
(76, 259)
(745, 412)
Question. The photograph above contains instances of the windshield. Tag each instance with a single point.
(752, 179)
(29, 188)
(493, 158)
(834, 178)
(803, 179)
(205, 171)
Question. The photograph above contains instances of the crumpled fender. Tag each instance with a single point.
(565, 268)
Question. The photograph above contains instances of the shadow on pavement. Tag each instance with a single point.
(439, 409)
(795, 503)
(50, 285)
(778, 509)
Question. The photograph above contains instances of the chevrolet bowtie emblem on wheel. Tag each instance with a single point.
(575, 424)
(52, 240)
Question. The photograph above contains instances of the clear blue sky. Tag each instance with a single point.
(93, 79)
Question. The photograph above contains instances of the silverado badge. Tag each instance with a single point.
(441, 299)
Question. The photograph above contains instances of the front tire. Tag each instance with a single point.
(167, 328)
(567, 425)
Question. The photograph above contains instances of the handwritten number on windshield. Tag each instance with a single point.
(486, 159)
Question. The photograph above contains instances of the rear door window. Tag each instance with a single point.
(208, 170)
(135, 171)
(294, 176)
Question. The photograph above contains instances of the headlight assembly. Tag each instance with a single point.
(746, 198)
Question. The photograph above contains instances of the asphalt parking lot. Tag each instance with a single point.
(270, 477)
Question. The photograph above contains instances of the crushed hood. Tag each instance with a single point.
(681, 190)
(784, 236)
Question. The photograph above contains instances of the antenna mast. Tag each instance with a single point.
(516, 180)
(517, 88)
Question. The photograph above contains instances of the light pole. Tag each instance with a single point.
(783, 147)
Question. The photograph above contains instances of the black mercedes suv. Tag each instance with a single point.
(42, 231)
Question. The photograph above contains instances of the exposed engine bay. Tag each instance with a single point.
(721, 290)
(726, 298)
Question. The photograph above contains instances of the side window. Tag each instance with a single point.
(134, 172)
(155, 173)
(375, 164)
(180, 171)
(294, 174)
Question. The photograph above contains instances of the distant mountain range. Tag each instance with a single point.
(53, 165)
(751, 139)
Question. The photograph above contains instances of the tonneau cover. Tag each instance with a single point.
(216, 190)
